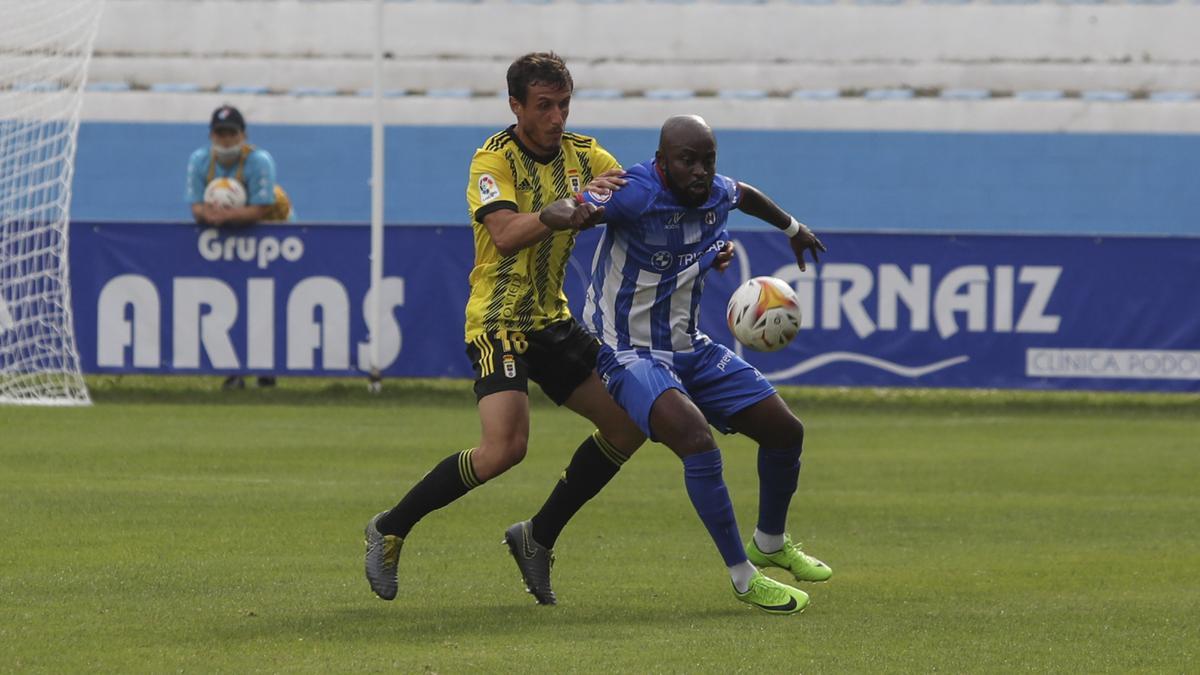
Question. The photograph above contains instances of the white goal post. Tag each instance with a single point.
(45, 47)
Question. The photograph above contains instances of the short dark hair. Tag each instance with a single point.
(538, 68)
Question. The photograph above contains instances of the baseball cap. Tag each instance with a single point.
(227, 117)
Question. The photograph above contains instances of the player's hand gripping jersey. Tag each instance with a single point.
(649, 269)
(523, 291)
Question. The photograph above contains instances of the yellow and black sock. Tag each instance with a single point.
(452, 478)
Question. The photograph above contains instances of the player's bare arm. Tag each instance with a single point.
(571, 214)
(512, 231)
(800, 238)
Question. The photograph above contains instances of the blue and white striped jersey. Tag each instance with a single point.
(649, 269)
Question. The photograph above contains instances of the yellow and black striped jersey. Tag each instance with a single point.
(523, 291)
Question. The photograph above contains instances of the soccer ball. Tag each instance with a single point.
(764, 314)
(225, 192)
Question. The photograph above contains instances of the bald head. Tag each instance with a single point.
(684, 129)
(687, 155)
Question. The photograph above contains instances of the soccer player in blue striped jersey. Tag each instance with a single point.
(665, 228)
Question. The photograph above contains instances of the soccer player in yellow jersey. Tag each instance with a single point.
(519, 329)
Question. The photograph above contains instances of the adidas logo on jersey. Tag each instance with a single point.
(524, 185)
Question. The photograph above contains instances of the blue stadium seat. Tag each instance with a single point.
(670, 94)
(1040, 95)
(889, 94)
(387, 93)
(244, 89)
(815, 94)
(1105, 95)
(107, 86)
(449, 92)
(36, 86)
(965, 94)
(175, 88)
(313, 91)
(1174, 96)
(742, 94)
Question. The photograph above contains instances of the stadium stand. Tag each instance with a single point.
(997, 74)
(1139, 47)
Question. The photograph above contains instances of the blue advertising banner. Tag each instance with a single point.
(925, 310)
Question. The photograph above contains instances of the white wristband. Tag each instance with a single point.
(792, 229)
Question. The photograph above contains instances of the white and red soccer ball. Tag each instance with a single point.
(763, 314)
(225, 192)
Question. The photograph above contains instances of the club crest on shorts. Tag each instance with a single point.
(488, 189)
(510, 366)
(710, 218)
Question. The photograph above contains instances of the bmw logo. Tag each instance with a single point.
(661, 260)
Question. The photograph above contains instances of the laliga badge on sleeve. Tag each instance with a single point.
(488, 189)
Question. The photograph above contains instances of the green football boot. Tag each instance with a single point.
(383, 557)
(772, 596)
(803, 567)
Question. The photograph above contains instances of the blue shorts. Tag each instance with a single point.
(718, 381)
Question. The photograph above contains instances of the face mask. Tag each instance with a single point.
(227, 155)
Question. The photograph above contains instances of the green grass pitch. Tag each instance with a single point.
(173, 527)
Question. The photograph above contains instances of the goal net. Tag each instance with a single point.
(45, 46)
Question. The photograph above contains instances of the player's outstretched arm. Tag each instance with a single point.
(801, 239)
(571, 214)
(512, 231)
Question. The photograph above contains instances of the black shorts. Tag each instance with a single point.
(559, 357)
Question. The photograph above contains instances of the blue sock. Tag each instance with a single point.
(710, 497)
(778, 473)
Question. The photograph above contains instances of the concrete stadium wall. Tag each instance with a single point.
(835, 180)
(632, 45)
(1084, 117)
